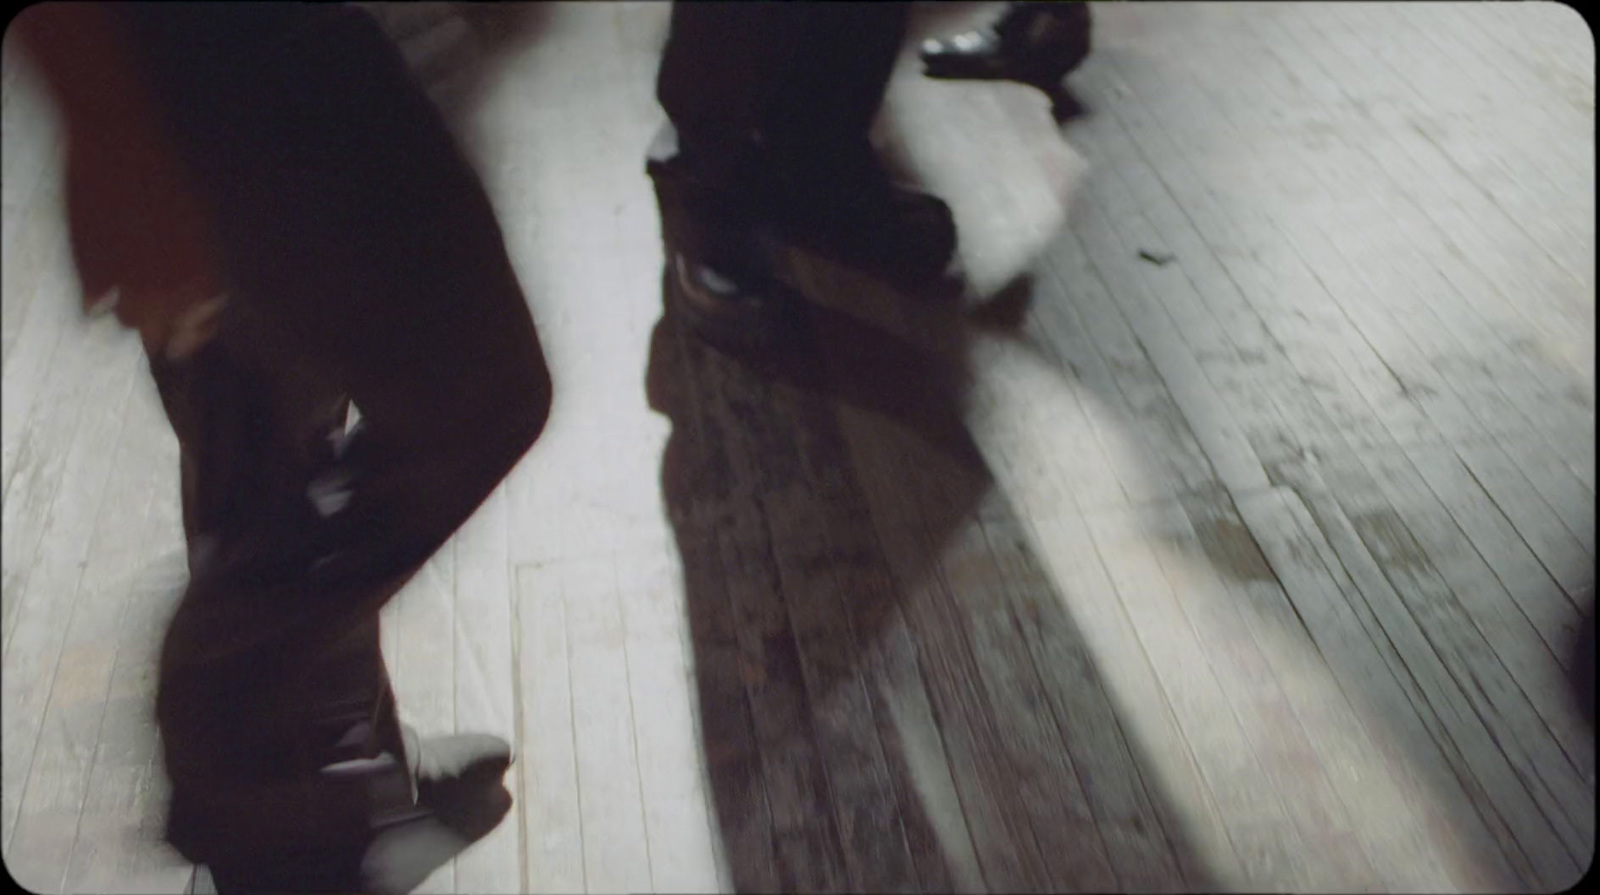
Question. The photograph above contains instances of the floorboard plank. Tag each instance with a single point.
(70, 501)
(484, 676)
(678, 824)
(951, 605)
(1402, 831)
(1320, 595)
(1450, 645)
(422, 666)
(1113, 781)
(119, 845)
(615, 850)
(549, 803)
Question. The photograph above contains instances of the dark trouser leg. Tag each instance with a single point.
(828, 100)
(724, 63)
(363, 252)
(771, 106)
(244, 734)
(802, 74)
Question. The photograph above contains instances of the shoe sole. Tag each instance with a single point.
(731, 333)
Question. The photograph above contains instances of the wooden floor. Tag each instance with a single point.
(1237, 542)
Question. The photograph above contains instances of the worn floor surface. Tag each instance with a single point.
(1246, 556)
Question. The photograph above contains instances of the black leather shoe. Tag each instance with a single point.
(1036, 44)
(840, 202)
(733, 313)
(727, 213)
(721, 273)
(735, 204)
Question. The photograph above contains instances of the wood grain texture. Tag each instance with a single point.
(485, 697)
(421, 664)
(1256, 569)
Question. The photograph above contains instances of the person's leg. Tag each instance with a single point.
(362, 251)
(770, 107)
(826, 186)
(237, 747)
(830, 93)
(358, 234)
(722, 70)
(808, 78)
(721, 73)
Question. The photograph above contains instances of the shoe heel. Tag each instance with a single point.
(699, 220)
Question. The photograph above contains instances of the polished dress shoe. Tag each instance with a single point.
(720, 278)
(1036, 44)
(733, 312)
(839, 202)
(726, 223)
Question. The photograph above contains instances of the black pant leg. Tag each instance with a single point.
(357, 233)
(831, 95)
(361, 251)
(244, 730)
(802, 74)
(724, 63)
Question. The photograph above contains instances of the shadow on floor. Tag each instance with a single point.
(891, 696)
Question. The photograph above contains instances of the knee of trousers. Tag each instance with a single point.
(486, 442)
(528, 404)
(515, 413)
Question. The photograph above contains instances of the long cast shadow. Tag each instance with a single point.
(892, 697)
